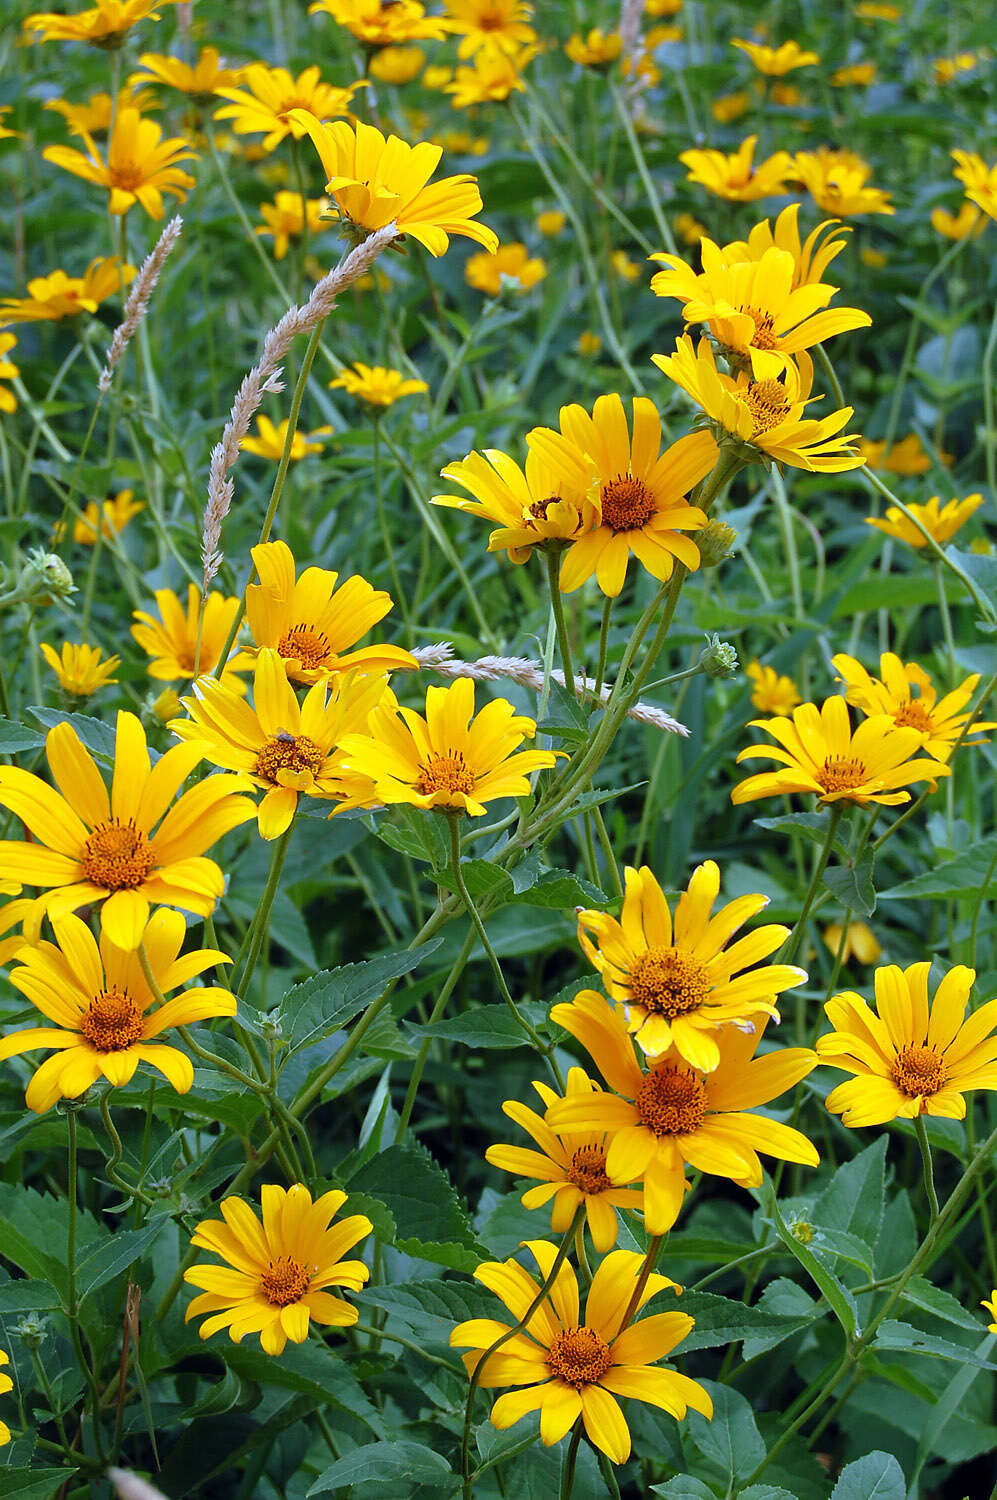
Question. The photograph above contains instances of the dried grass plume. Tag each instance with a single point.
(138, 300)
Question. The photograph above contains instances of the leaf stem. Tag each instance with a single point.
(929, 1175)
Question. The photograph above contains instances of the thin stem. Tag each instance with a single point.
(72, 1301)
(795, 939)
(552, 560)
(419, 1065)
(637, 151)
(570, 1461)
(261, 917)
(600, 670)
(929, 1175)
(650, 1261)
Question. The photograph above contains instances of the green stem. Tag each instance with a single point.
(929, 1175)
(989, 434)
(600, 670)
(552, 560)
(570, 1461)
(424, 1047)
(637, 151)
(795, 939)
(72, 1301)
(261, 917)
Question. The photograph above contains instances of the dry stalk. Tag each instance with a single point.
(130, 1487)
(138, 300)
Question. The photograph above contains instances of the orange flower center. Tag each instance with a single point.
(668, 982)
(918, 1070)
(111, 1022)
(288, 752)
(445, 773)
(579, 1357)
(767, 404)
(127, 175)
(588, 1170)
(841, 773)
(671, 1101)
(305, 645)
(627, 504)
(538, 510)
(914, 714)
(296, 101)
(285, 1280)
(117, 856)
(764, 336)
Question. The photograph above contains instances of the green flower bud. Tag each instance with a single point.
(715, 543)
(718, 658)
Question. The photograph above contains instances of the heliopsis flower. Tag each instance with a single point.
(452, 760)
(857, 75)
(677, 981)
(642, 491)
(775, 62)
(79, 668)
(491, 76)
(284, 219)
(397, 65)
(13, 914)
(115, 513)
(95, 116)
(571, 1168)
(270, 440)
(811, 257)
(906, 457)
(991, 1307)
(378, 25)
(8, 371)
(940, 722)
(942, 521)
(277, 1273)
(874, 10)
(969, 220)
(838, 182)
(287, 748)
(272, 95)
(551, 222)
(375, 385)
(979, 180)
(599, 49)
(773, 693)
(499, 25)
(574, 1366)
(736, 177)
(768, 414)
(105, 1012)
(186, 643)
(57, 296)
(377, 180)
(6, 1384)
(509, 265)
(623, 266)
(689, 230)
(945, 69)
(912, 1055)
(104, 26)
(88, 846)
(311, 623)
(729, 107)
(140, 166)
(818, 751)
(861, 942)
(663, 1116)
(206, 77)
(536, 506)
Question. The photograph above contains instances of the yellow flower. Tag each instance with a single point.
(906, 457)
(689, 229)
(378, 25)
(533, 507)
(940, 722)
(913, 1055)
(946, 69)
(375, 385)
(90, 847)
(284, 219)
(942, 521)
(57, 296)
(662, 7)
(860, 942)
(277, 1274)
(571, 1168)
(787, 94)
(115, 514)
(311, 623)
(858, 75)
(597, 50)
(588, 344)
(729, 107)
(642, 491)
(436, 77)
(819, 752)
(206, 77)
(736, 177)
(772, 693)
(575, 1367)
(969, 220)
(991, 1308)
(397, 64)
(270, 440)
(6, 1384)
(377, 181)
(875, 259)
(979, 180)
(166, 705)
(79, 668)
(104, 26)
(271, 98)
(7, 135)
(186, 643)
(767, 414)
(8, 371)
(775, 62)
(499, 25)
(873, 10)
(94, 117)
(669, 1114)
(657, 35)
(140, 165)
(838, 182)
(492, 76)
(625, 268)
(104, 1010)
(450, 760)
(509, 264)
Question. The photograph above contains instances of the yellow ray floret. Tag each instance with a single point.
(738, 177)
(183, 643)
(79, 669)
(104, 25)
(378, 25)
(375, 385)
(272, 101)
(941, 522)
(139, 167)
(811, 256)
(56, 296)
(940, 720)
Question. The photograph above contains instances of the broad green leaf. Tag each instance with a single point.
(432, 1222)
(722, 1320)
(812, 826)
(789, 1305)
(897, 1240)
(97, 737)
(308, 1370)
(946, 1407)
(766, 1492)
(18, 1297)
(115, 1255)
(902, 1336)
(684, 1487)
(731, 1440)
(416, 832)
(853, 885)
(433, 1308)
(931, 1299)
(323, 1004)
(485, 1026)
(878, 1476)
(839, 1297)
(16, 737)
(853, 1199)
(965, 874)
(33, 1484)
(30, 1221)
(389, 1464)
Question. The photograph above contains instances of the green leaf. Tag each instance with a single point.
(29, 1220)
(853, 885)
(722, 1320)
(931, 1299)
(902, 1336)
(33, 1484)
(766, 1492)
(878, 1476)
(18, 1297)
(431, 1309)
(97, 737)
(853, 1199)
(839, 1297)
(948, 1404)
(684, 1487)
(485, 1026)
(812, 826)
(731, 1440)
(323, 1004)
(789, 1305)
(115, 1255)
(566, 718)
(308, 1370)
(432, 1222)
(966, 873)
(388, 1463)
(416, 832)
(15, 737)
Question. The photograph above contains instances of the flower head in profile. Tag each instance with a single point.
(598, 50)
(551, 221)
(491, 76)
(377, 180)
(913, 1055)
(56, 296)
(853, 75)
(575, 1365)
(860, 942)
(991, 1307)
(375, 385)
(676, 979)
(811, 257)
(285, 219)
(206, 77)
(378, 25)
(267, 104)
(115, 514)
(397, 64)
(907, 457)
(838, 182)
(818, 751)
(737, 177)
(509, 265)
(492, 25)
(277, 1273)
(6, 1384)
(773, 693)
(940, 521)
(8, 371)
(941, 721)
(537, 506)
(80, 669)
(105, 25)
(270, 440)
(137, 845)
(139, 166)
(95, 115)
(184, 643)
(776, 62)
(104, 1016)
(571, 1167)
(451, 760)
(642, 501)
(979, 180)
(969, 220)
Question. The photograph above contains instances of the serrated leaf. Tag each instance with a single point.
(485, 1026)
(853, 1199)
(33, 1484)
(416, 832)
(853, 885)
(432, 1308)
(766, 1492)
(309, 1370)
(731, 1440)
(839, 1297)
(812, 826)
(878, 1476)
(902, 1336)
(18, 1297)
(388, 1463)
(96, 736)
(965, 874)
(115, 1255)
(722, 1320)
(323, 1004)
(684, 1487)
(931, 1299)
(16, 737)
(432, 1222)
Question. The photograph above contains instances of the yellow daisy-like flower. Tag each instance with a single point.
(875, 10)
(378, 25)
(13, 914)
(115, 514)
(285, 219)
(205, 78)
(186, 643)
(767, 414)
(90, 847)
(551, 222)
(95, 116)
(375, 385)
(271, 97)
(377, 180)
(912, 1055)
(104, 1010)
(775, 62)
(498, 25)
(991, 1307)
(80, 669)
(571, 1167)
(624, 267)
(968, 220)
(855, 75)
(689, 230)
(941, 722)
(678, 982)
(659, 8)
(861, 942)
(573, 1366)
(979, 180)
(907, 457)
(536, 506)
(452, 760)
(819, 752)
(269, 441)
(599, 49)
(642, 491)
(397, 65)
(5, 133)
(509, 264)
(727, 108)
(773, 693)
(669, 1114)
(277, 1273)
(287, 748)
(838, 182)
(811, 256)
(492, 75)
(311, 623)
(103, 26)
(737, 177)
(942, 521)
(6, 1384)
(8, 371)
(56, 296)
(140, 166)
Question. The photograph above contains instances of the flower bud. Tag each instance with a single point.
(44, 578)
(718, 658)
(30, 1331)
(715, 543)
